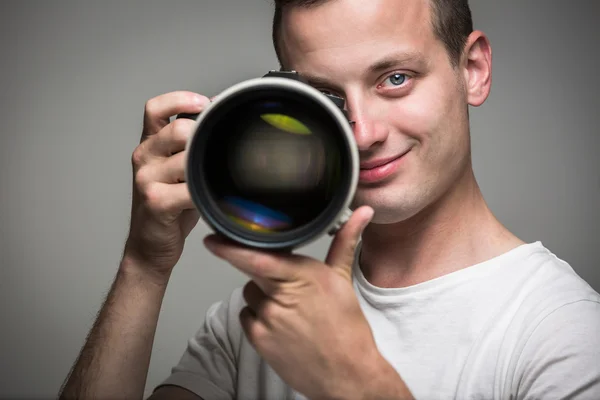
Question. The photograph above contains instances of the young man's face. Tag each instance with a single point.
(401, 89)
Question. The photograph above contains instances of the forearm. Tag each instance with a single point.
(115, 358)
(389, 386)
(381, 382)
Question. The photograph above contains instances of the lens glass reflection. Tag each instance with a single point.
(273, 164)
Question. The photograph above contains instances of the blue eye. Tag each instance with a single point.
(397, 79)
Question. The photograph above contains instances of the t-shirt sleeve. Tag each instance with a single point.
(561, 359)
(208, 364)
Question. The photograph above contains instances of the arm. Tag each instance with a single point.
(115, 358)
(561, 359)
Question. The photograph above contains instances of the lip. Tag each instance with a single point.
(377, 170)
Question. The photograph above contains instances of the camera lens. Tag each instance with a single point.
(269, 165)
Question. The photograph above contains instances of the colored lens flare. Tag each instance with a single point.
(249, 225)
(286, 123)
(255, 217)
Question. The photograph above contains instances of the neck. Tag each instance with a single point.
(455, 232)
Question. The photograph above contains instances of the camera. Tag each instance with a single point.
(272, 162)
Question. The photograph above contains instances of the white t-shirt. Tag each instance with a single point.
(522, 325)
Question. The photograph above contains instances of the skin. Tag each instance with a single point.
(433, 201)
(426, 220)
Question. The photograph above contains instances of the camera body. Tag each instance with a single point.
(338, 101)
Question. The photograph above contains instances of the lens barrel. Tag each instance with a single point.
(272, 163)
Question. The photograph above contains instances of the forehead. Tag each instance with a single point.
(342, 29)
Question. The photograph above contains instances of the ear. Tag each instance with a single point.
(477, 67)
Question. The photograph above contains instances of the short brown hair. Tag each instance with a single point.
(451, 20)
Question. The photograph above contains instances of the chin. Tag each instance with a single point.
(393, 215)
(392, 206)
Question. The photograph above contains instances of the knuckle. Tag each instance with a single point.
(142, 178)
(154, 198)
(138, 156)
(258, 333)
(270, 311)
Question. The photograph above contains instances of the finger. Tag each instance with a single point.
(278, 267)
(255, 298)
(343, 247)
(265, 308)
(256, 331)
(171, 139)
(159, 109)
(169, 199)
(170, 169)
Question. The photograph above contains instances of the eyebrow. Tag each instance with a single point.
(398, 59)
(394, 60)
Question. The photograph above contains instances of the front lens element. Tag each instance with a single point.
(271, 162)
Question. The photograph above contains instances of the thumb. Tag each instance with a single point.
(343, 247)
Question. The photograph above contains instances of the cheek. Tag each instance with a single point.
(418, 116)
(432, 116)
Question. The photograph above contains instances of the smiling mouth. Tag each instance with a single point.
(379, 169)
(368, 165)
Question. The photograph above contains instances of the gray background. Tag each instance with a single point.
(74, 79)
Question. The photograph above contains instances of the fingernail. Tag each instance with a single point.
(199, 100)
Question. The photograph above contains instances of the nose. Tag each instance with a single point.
(369, 129)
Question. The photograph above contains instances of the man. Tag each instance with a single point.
(437, 300)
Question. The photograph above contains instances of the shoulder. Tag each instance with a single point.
(559, 324)
(551, 282)
(548, 294)
(209, 364)
(222, 321)
(560, 355)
